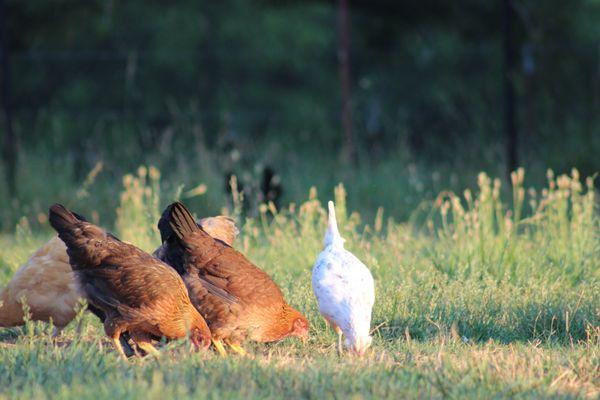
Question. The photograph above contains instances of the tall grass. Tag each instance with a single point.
(477, 297)
(49, 174)
(138, 210)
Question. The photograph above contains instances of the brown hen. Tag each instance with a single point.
(136, 292)
(48, 285)
(238, 300)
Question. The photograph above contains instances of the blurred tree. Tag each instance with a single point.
(10, 145)
(509, 89)
(424, 79)
(346, 97)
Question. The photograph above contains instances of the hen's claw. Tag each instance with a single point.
(219, 347)
(238, 349)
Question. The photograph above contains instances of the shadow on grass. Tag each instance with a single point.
(536, 323)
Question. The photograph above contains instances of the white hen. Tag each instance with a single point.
(344, 289)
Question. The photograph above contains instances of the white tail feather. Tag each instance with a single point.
(332, 236)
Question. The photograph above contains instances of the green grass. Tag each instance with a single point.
(482, 299)
(92, 188)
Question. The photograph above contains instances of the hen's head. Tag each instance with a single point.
(297, 324)
(200, 335)
(358, 344)
(200, 338)
(300, 328)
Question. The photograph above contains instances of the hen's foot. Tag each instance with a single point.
(237, 349)
(219, 347)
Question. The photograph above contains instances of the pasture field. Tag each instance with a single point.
(476, 298)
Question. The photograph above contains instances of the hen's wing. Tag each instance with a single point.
(227, 287)
(132, 283)
(230, 271)
(344, 287)
(218, 263)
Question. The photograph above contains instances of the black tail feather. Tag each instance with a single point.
(181, 220)
(164, 227)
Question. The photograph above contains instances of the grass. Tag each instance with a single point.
(91, 186)
(476, 298)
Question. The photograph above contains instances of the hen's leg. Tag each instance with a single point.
(144, 342)
(56, 331)
(124, 339)
(236, 348)
(113, 329)
(339, 333)
(219, 347)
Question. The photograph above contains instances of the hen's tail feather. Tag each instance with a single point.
(79, 216)
(62, 219)
(64, 222)
(76, 234)
(332, 220)
(332, 236)
(164, 227)
(181, 220)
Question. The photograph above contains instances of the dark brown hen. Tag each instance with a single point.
(238, 300)
(136, 292)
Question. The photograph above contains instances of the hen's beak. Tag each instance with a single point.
(360, 350)
(200, 344)
(304, 337)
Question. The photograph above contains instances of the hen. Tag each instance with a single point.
(136, 292)
(48, 284)
(344, 289)
(238, 300)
